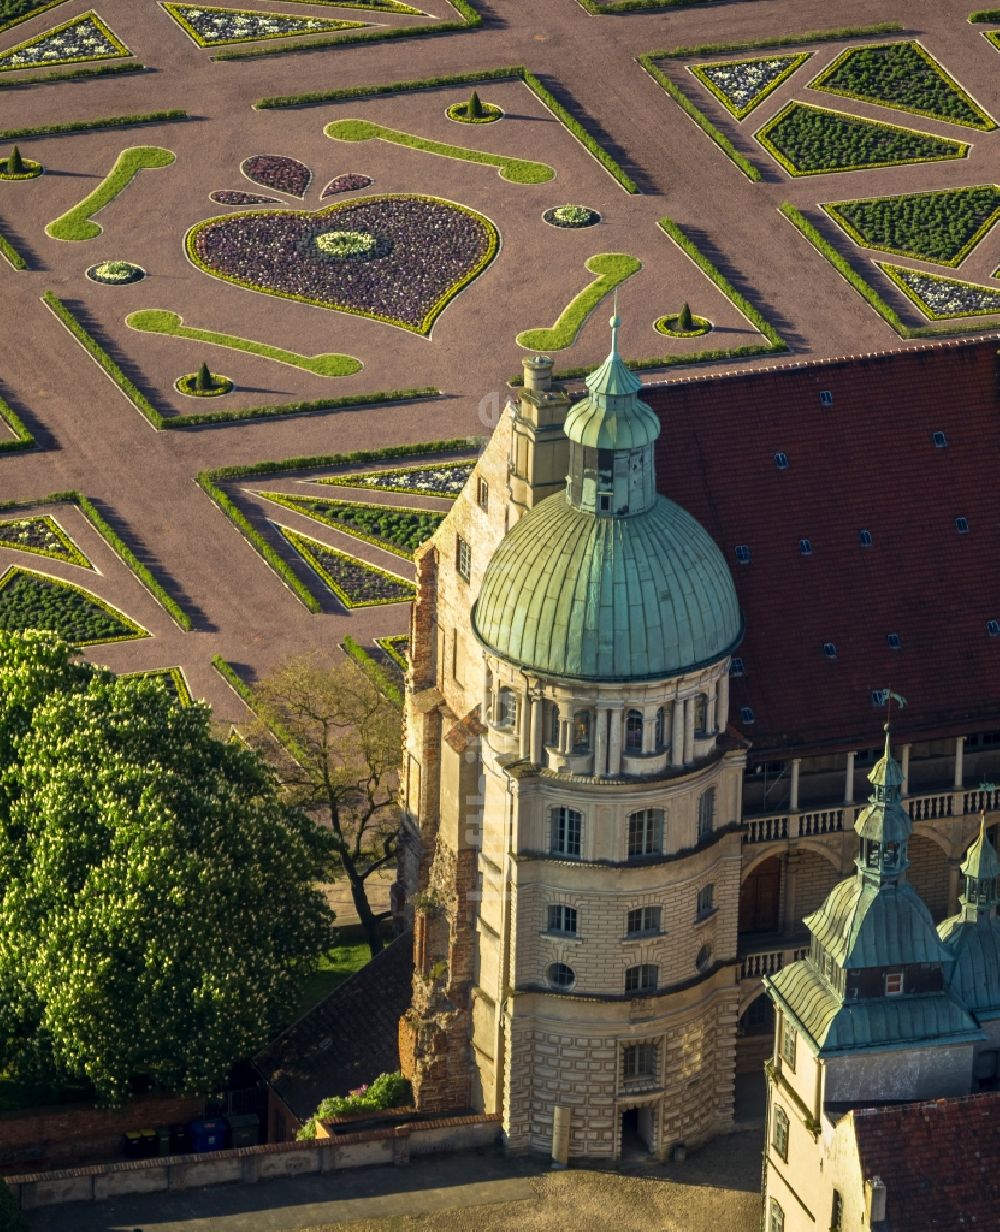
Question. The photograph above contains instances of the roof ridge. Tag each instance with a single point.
(937, 345)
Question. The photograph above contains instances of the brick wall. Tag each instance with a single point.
(928, 874)
(814, 879)
(79, 1131)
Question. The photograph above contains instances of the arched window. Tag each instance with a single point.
(645, 833)
(553, 725)
(506, 713)
(633, 731)
(643, 978)
(660, 730)
(561, 976)
(701, 714)
(567, 832)
(706, 813)
(581, 731)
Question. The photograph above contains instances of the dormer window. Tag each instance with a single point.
(893, 983)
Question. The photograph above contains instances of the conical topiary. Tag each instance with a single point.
(684, 318)
(15, 163)
(204, 380)
(474, 108)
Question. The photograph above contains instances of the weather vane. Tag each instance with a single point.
(888, 697)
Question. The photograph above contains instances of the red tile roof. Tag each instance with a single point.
(939, 1161)
(867, 462)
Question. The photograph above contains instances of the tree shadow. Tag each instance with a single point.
(44, 440)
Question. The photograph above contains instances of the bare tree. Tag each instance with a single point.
(343, 738)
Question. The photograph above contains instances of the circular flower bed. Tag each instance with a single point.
(29, 169)
(488, 113)
(345, 245)
(349, 182)
(116, 273)
(571, 216)
(189, 385)
(671, 326)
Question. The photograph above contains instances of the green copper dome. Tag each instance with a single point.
(608, 580)
(571, 594)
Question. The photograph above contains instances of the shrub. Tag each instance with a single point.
(684, 318)
(15, 164)
(387, 1091)
(11, 1219)
(474, 108)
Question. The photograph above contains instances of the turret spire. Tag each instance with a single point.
(884, 825)
(980, 869)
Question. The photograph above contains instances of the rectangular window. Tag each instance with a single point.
(642, 921)
(706, 901)
(567, 831)
(893, 983)
(645, 833)
(562, 919)
(643, 978)
(776, 1217)
(482, 494)
(779, 1133)
(837, 1212)
(638, 1061)
(706, 813)
(463, 559)
(788, 1038)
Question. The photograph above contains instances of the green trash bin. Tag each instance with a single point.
(244, 1128)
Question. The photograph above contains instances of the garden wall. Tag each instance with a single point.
(255, 1163)
(80, 1130)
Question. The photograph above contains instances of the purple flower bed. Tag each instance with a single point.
(350, 182)
(426, 250)
(275, 171)
(235, 196)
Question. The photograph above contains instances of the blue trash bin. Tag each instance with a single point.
(209, 1136)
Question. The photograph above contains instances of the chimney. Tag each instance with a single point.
(537, 372)
(875, 1201)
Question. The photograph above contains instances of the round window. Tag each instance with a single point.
(561, 976)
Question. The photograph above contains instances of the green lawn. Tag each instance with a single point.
(331, 971)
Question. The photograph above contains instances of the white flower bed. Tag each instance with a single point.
(211, 26)
(83, 38)
(938, 297)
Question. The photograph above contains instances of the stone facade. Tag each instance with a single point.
(486, 1029)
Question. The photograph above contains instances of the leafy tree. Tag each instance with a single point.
(344, 739)
(156, 894)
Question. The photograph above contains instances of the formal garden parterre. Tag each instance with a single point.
(302, 256)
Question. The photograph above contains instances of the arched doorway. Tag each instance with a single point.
(760, 898)
(755, 1035)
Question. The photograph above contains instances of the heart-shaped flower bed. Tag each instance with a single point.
(424, 251)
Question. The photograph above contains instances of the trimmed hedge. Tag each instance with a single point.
(209, 482)
(373, 671)
(779, 40)
(981, 15)
(11, 255)
(380, 397)
(78, 74)
(22, 438)
(103, 360)
(117, 545)
(28, 10)
(512, 72)
(867, 292)
(699, 117)
(246, 695)
(470, 19)
(87, 126)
